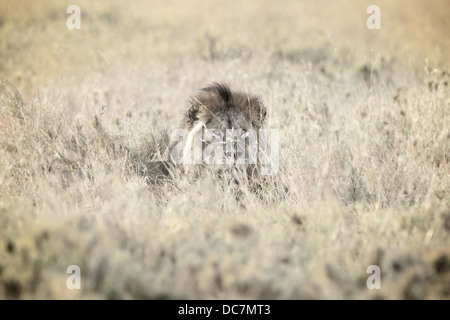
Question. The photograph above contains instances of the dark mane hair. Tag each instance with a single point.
(218, 97)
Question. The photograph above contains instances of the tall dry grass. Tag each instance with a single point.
(364, 151)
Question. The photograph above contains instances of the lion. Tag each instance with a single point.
(219, 132)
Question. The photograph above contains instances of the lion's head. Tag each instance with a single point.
(220, 130)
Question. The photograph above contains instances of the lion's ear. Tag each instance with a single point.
(193, 112)
(262, 111)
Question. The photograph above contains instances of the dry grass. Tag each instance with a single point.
(364, 150)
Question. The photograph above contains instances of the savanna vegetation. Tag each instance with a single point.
(363, 117)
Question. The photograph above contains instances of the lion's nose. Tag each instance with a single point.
(234, 155)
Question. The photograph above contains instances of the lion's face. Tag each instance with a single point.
(226, 123)
(227, 143)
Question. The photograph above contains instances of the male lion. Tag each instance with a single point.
(220, 131)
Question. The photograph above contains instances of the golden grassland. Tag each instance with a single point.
(364, 150)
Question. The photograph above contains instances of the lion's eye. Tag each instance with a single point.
(244, 133)
(217, 133)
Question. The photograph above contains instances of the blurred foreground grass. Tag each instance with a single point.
(363, 118)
